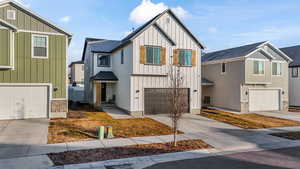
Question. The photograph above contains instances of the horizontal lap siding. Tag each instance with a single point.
(29, 70)
(152, 37)
(4, 47)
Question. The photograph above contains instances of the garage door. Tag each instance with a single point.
(264, 100)
(156, 101)
(23, 102)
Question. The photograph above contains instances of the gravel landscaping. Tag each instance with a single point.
(102, 154)
(249, 120)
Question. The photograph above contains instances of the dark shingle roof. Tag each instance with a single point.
(105, 75)
(230, 53)
(105, 46)
(294, 53)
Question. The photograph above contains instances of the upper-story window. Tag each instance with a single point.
(258, 67)
(122, 56)
(185, 57)
(40, 46)
(11, 15)
(294, 72)
(103, 60)
(276, 68)
(223, 68)
(153, 55)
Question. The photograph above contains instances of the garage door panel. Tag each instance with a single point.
(23, 102)
(264, 100)
(156, 101)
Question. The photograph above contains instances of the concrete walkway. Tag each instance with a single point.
(18, 136)
(117, 113)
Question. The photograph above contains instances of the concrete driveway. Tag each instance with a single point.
(17, 136)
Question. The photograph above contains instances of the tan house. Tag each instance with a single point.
(76, 72)
(132, 73)
(248, 78)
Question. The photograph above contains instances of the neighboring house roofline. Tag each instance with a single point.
(138, 31)
(257, 47)
(76, 62)
(294, 53)
(29, 11)
(87, 40)
(8, 25)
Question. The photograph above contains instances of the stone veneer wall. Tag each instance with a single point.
(59, 109)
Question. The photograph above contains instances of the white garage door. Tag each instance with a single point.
(264, 100)
(23, 102)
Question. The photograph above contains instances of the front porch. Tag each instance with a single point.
(104, 87)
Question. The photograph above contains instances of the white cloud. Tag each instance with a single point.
(65, 19)
(212, 30)
(147, 10)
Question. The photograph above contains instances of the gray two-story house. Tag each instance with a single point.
(248, 78)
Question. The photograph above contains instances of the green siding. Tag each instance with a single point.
(25, 21)
(32, 70)
(4, 47)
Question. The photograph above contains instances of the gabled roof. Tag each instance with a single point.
(231, 53)
(8, 25)
(27, 10)
(294, 53)
(152, 21)
(105, 76)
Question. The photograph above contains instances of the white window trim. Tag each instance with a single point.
(272, 67)
(32, 46)
(14, 16)
(223, 73)
(261, 60)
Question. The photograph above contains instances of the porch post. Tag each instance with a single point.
(98, 93)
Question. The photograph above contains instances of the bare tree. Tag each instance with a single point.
(176, 97)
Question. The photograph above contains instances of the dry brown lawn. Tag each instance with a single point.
(248, 121)
(82, 124)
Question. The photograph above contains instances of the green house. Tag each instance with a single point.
(33, 68)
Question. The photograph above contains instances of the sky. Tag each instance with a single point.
(219, 24)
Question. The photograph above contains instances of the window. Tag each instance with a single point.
(258, 67)
(223, 68)
(40, 46)
(185, 57)
(294, 72)
(153, 55)
(11, 15)
(276, 68)
(122, 56)
(103, 61)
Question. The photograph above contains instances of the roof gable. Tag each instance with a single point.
(142, 28)
(25, 10)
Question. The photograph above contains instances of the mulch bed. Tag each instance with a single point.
(102, 154)
(289, 135)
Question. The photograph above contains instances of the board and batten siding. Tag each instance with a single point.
(151, 36)
(4, 47)
(24, 21)
(33, 70)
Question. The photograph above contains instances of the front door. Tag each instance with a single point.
(103, 92)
